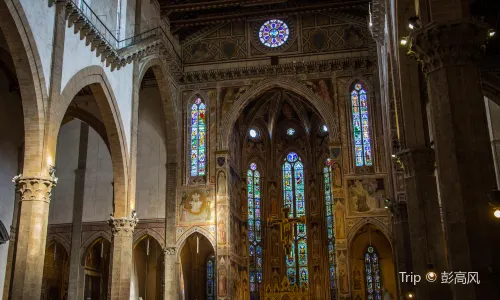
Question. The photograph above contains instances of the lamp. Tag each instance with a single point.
(404, 41)
(494, 202)
(491, 32)
(410, 295)
(414, 22)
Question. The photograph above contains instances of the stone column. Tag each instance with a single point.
(31, 235)
(11, 254)
(427, 240)
(222, 225)
(402, 244)
(121, 257)
(171, 270)
(76, 270)
(448, 52)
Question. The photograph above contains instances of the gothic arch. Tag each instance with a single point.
(375, 222)
(91, 240)
(22, 47)
(51, 238)
(95, 78)
(182, 240)
(324, 110)
(141, 234)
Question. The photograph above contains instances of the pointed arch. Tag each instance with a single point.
(255, 250)
(182, 239)
(325, 110)
(372, 274)
(141, 234)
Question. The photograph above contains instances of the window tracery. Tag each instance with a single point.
(293, 197)
(211, 278)
(361, 126)
(372, 275)
(254, 228)
(198, 138)
(329, 212)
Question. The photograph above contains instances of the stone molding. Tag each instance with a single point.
(123, 227)
(439, 45)
(354, 63)
(35, 188)
(417, 161)
(170, 251)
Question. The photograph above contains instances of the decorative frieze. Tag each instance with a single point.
(35, 188)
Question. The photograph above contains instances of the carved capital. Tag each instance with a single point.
(438, 45)
(123, 226)
(35, 188)
(417, 161)
(170, 251)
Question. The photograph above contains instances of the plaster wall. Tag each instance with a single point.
(11, 140)
(77, 56)
(41, 22)
(151, 156)
(107, 11)
(150, 16)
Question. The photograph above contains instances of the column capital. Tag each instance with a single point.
(35, 188)
(417, 161)
(123, 226)
(437, 45)
(170, 250)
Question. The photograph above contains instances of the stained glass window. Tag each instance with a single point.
(273, 33)
(329, 212)
(293, 197)
(254, 228)
(198, 138)
(211, 280)
(361, 126)
(290, 131)
(372, 275)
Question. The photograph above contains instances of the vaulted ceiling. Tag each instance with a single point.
(188, 16)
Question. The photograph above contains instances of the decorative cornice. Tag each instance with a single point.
(35, 188)
(439, 45)
(123, 227)
(354, 63)
(417, 161)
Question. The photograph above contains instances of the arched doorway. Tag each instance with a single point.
(147, 276)
(55, 273)
(96, 263)
(197, 269)
(371, 265)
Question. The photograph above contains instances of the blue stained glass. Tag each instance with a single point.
(329, 210)
(293, 197)
(198, 138)
(361, 127)
(372, 274)
(254, 228)
(273, 33)
(210, 268)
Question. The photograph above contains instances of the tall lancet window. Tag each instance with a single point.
(211, 295)
(361, 126)
(293, 197)
(198, 138)
(254, 228)
(372, 275)
(327, 173)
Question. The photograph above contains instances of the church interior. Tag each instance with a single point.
(249, 149)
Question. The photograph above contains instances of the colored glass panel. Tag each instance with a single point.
(294, 198)
(198, 138)
(290, 131)
(273, 33)
(361, 127)
(372, 275)
(211, 278)
(329, 210)
(254, 228)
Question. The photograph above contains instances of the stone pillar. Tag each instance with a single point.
(402, 244)
(121, 257)
(222, 225)
(31, 235)
(171, 270)
(11, 254)
(427, 240)
(448, 52)
(76, 270)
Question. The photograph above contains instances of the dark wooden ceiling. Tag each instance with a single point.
(188, 16)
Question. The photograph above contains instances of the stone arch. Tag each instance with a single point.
(182, 239)
(94, 238)
(95, 78)
(323, 109)
(51, 238)
(375, 222)
(22, 46)
(139, 235)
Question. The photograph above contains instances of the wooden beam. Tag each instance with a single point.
(216, 4)
(214, 19)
